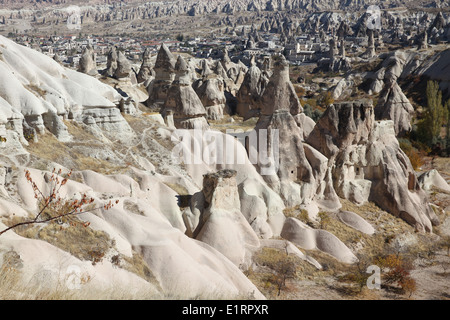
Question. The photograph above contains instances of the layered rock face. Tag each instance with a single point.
(368, 164)
(182, 102)
(302, 175)
(164, 76)
(62, 94)
(222, 225)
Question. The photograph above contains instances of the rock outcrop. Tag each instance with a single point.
(211, 94)
(432, 179)
(370, 51)
(301, 176)
(123, 69)
(111, 64)
(182, 103)
(250, 93)
(62, 94)
(222, 225)
(164, 75)
(280, 93)
(392, 103)
(146, 69)
(368, 164)
(313, 239)
(212, 88)
(87, 63)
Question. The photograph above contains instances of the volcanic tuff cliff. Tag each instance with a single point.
(174, 213)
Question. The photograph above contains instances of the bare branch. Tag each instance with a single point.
(54, 201)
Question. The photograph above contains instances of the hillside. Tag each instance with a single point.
(168, 222)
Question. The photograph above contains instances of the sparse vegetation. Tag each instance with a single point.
(415, 156)
(298, 213)
(396, 270)
(280, 268)
(53, 208)
(324, 219)
(435, 116)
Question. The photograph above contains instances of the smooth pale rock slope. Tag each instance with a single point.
(368, 165)
(45, 93)
(192, 202)
(308, 238)
(147, 219)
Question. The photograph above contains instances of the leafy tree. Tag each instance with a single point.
(326, 99)
(283, 269)
(436, 115)
(397, 270)
(358, 274)
(307, 110)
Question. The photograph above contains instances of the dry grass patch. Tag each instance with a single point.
(80, 241)
(132, 207)
(76, 130)
(224, 124)
(37, 91)
(276, 272)
(296, 212)
(178, 188)
(15, 287)
(48, 148)
(71, 236)
(137, 265)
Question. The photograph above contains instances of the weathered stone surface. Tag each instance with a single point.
(280, 93)
(368, 164)
(211, 94)
(111, 65)
(164, 75)
(250, 93)
(302, 177)
(394, 105)
(182, 101)
(87, 62)
(146, 69)
(222, 225)
(370, 51)
(432, 179)
(342, 124)
(315, 239)
(123, 66)
(355, 221)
